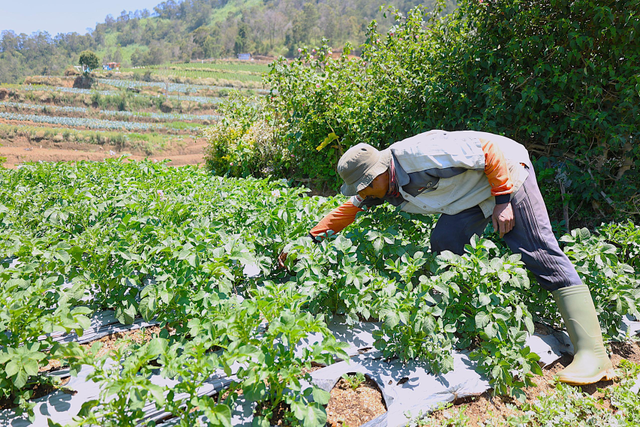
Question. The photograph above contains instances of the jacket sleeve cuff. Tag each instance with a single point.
(503, 198)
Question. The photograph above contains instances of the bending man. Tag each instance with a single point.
(471, 178)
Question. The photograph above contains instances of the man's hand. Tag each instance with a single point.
(503, 219)
(281, 259)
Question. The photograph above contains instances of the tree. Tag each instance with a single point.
(243, 43)
(89, 60)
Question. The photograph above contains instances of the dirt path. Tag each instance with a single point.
(22, 150)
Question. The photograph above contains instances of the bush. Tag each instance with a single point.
(246, 142)
(559, 76)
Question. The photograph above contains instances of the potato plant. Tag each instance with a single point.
(172, 245)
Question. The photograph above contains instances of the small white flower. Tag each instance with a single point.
(275, 193)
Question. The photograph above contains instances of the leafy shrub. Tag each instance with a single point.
(559, 76)
(246, 142)
(626, 237)
(428, 305)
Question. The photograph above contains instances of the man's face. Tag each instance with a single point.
(378, 187)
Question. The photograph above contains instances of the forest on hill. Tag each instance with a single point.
(199, 29)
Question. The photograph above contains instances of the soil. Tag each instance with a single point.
(485, 407)
(115, 341)
(349, 407)
(21, 150)
(353, 408)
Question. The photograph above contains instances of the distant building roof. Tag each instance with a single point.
(244, 56)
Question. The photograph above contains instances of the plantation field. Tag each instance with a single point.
(196, 256)
(59, 119)
(156, 295)
(242, 71)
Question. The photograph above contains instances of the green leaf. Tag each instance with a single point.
(21, 379)
(126, 315)
(484, 299)
(491, 330)
(328, 140)
(321, 396)
(12, 368)
(5, 357)
(157, 392)
(529, 324)
(255, 392)
(312, 415)
(220, 414)
(391, 318)
(31, 367)
(482, 319)
(63, 256)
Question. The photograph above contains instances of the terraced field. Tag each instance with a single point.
(156, 113)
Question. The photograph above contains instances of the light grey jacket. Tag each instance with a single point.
(443, 172)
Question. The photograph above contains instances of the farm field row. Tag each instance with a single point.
(26, 143)
(133, 103)
(172, 246)
(72, 111)
(48, 116)
(255, 67)
(73, 90)
(241, 71)
(189, 77)
(164, 86)
(91, 123)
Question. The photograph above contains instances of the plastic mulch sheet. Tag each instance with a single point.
(409, 390)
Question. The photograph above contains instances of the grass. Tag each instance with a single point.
(233, 8)
(562, 406)
(226, 66)
(173, 71)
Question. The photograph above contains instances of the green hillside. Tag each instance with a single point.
(185, 31)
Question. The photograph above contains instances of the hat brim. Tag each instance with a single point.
(371, 174)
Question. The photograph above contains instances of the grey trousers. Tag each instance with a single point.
(532, 236)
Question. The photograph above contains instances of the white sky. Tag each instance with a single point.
(63, 16)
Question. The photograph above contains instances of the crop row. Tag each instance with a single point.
(171, 245)
(65, 89)
(84, 110)
(96, 123)
(226, 66)
(212, 75)
(199, 99)
(146, 142)
(169, 86)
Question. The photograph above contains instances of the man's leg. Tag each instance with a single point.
(533, 238)
(452, 232)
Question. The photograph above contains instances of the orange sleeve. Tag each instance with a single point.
(496, 169)
(337, 219)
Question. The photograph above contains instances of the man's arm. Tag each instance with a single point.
(336, 220)
(497, 172)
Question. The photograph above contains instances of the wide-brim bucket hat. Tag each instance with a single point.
(360, 165)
